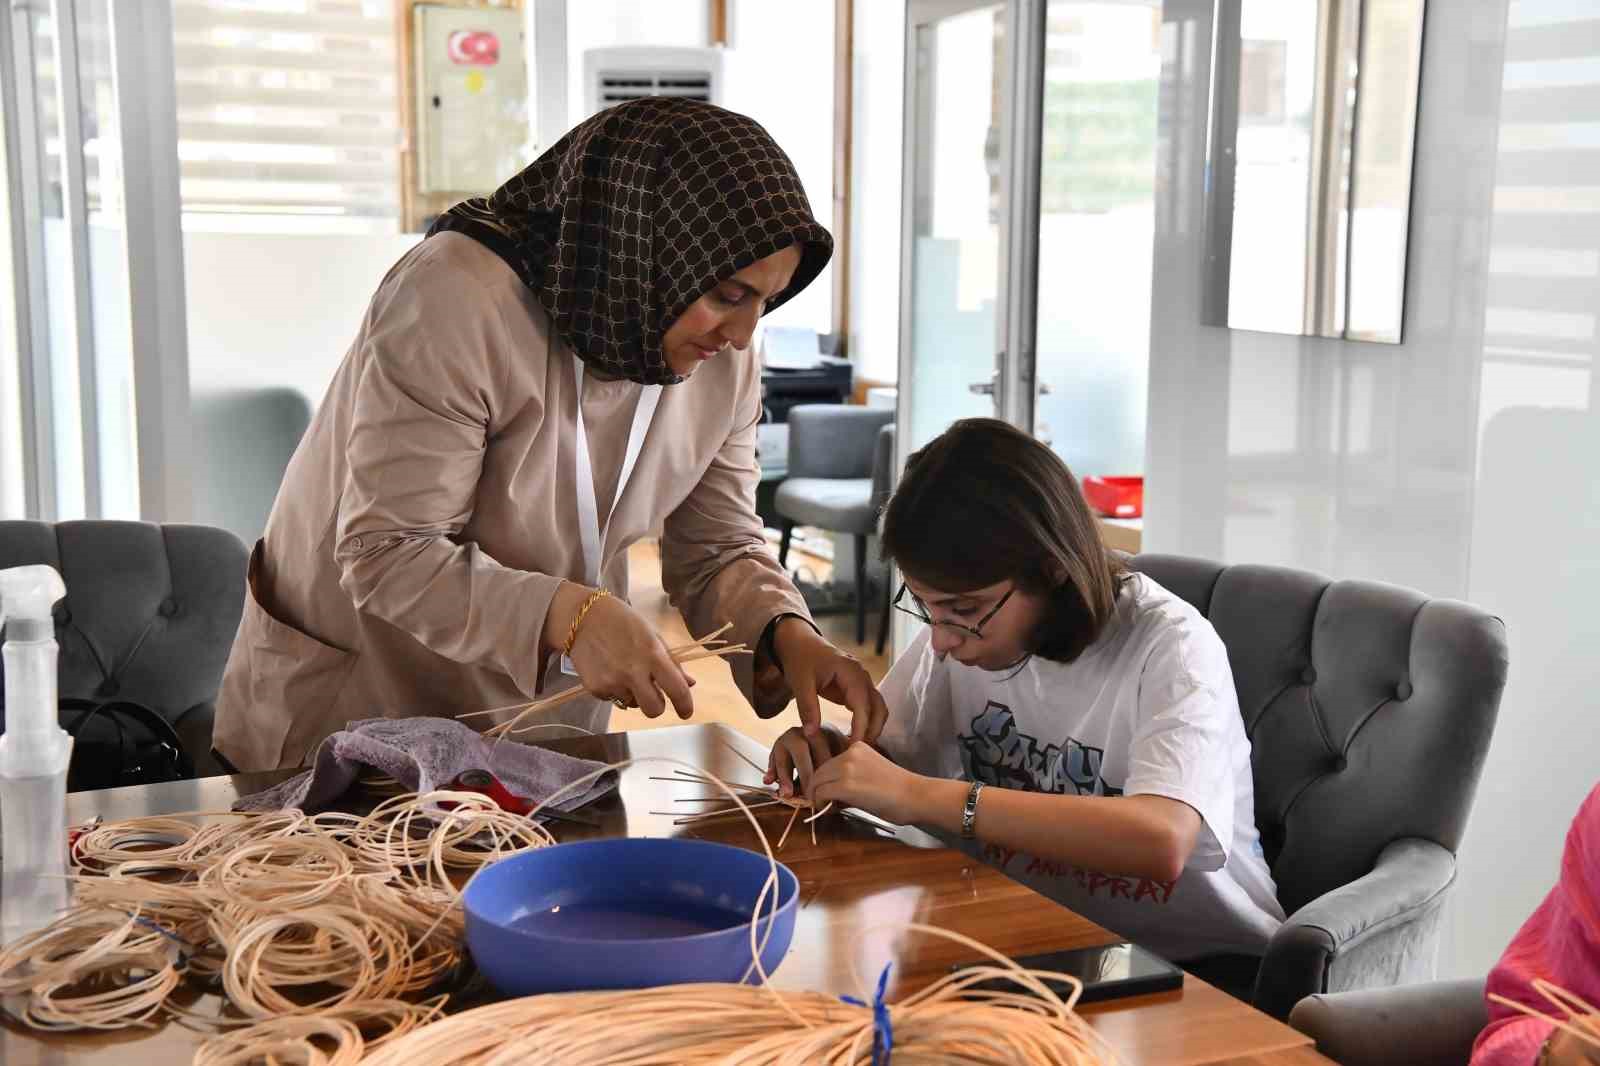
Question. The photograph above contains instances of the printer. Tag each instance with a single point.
(794, 370)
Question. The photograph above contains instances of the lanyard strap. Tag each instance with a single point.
(591, 530)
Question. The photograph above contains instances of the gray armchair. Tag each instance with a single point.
(1429, 1024)
(243, 441)
(882, 482)
(1369, 709)
(833, 452)
(149, 615)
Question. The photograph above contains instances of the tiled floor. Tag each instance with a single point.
(715, 696)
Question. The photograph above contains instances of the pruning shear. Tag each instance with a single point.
(485, 783)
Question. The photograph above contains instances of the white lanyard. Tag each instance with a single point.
(591, 529)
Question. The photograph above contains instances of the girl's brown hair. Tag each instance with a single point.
(985, 503)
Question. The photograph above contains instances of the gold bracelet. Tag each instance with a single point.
(572, 634)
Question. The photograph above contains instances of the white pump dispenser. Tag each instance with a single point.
(34, 752)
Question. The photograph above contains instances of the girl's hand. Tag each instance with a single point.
(797, 754)
(861, 776)
(618, 655)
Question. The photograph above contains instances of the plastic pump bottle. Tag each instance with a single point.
(34, 752)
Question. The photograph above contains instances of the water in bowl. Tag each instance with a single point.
(635, 920)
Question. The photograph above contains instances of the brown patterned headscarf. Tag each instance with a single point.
(634, 215)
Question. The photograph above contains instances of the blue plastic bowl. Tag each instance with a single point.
(624, 913)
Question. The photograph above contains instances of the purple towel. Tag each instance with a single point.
(424, 754)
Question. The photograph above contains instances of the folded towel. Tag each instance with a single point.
(424, 754)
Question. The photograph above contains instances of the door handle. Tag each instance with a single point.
(986, 388)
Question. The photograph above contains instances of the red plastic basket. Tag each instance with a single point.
(1115, 497)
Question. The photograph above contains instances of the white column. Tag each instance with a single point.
(144, 72)
(547, 74)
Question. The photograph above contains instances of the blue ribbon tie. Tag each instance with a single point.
(882, 1030)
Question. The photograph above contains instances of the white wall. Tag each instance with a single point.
(1404, 463)
(269, 310)
(1095, 249)
(876, 145)
(1535, 550)
(625, 23)
(778, 70)
(1346, 458)
(780, 73)
(264, 311)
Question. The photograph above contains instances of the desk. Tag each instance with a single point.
(851, 881)
(1123, 534)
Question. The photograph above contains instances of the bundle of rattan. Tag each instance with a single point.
(289, 915)
(321, 931)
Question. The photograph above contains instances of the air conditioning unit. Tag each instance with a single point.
(613, 75)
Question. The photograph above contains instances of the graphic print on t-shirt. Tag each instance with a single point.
(996, 752)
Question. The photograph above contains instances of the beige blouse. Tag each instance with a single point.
(430, 514)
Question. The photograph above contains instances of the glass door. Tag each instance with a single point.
(94, 265)
(965, 332)
(969, 248)
(1096, 227)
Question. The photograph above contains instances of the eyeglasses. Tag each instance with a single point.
(919, 611)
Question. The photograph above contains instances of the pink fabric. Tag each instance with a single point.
(1560, 942)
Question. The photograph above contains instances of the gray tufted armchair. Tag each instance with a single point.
(149, 615)
(1369, 709)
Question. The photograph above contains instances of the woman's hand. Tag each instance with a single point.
(813, 668)
(617, 654)
(861, 776)
(797, 753)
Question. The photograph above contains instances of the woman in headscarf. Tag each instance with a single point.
(556, 371)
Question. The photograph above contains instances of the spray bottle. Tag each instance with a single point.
(34, 752)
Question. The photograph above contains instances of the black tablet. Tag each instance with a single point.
(1107, 972)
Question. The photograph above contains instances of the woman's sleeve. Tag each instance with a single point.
(716, 565)
(434, 366)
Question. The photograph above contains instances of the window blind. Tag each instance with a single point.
(288, 106)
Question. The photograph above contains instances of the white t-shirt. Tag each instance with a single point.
(1148, 709)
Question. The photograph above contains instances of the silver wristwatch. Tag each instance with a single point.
(970, 812)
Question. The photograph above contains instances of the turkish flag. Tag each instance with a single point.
(477, 48)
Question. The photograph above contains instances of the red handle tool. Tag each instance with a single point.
(485, 783)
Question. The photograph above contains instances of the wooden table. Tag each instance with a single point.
(1123, 534)
(853, 882)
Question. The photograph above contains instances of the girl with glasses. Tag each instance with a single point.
(1063, 718)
